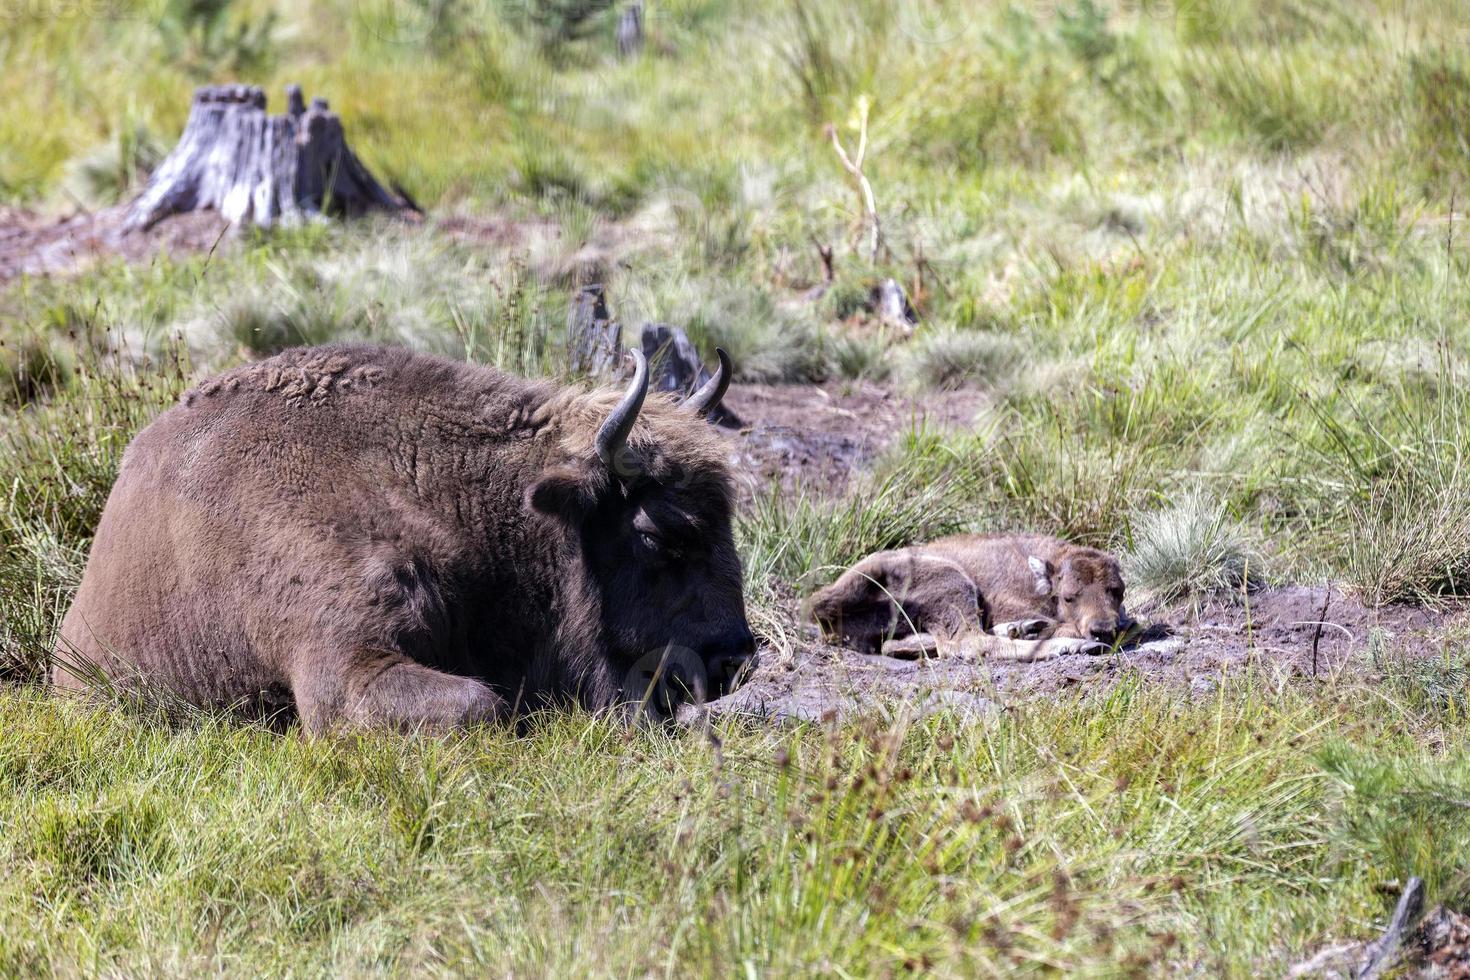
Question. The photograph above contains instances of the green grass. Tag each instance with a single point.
(1204, 262)
(1228, 835)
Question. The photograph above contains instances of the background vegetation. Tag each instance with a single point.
(1204, 260)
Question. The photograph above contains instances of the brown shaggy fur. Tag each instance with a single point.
(377, 537)
(1021, 586)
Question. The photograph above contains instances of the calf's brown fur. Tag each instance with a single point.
(1041, 595)
(371, 536)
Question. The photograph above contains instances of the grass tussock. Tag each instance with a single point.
(1409, 529)
(795, 537)
(113, 171)
(1392, 489)
(1191, 549)
(57, 464)
(945, 359)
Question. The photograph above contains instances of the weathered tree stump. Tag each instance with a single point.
(252, 167)
(630, 29)
(675, 366)
(891, 303)
(594, 338)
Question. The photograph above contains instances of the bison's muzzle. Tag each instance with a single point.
(727, 667)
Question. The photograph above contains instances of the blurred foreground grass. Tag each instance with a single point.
(1128, 833)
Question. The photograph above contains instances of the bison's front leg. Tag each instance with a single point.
(388, 690)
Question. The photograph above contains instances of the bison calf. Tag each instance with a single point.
(1009, 597)
(376, 537)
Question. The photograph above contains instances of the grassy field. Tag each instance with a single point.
(1205, 261)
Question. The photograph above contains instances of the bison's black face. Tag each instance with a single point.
(672, 605)
(653, 528)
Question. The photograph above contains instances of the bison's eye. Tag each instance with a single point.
(658, 544)
(650, 537)
(1071, 596)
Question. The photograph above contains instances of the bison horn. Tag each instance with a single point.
(703, 401)
(614, 431)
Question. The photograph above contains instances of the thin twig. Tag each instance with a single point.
(1449, 235)
(1321, 622)
(854, 165)
(1252, 656)
(1381, 952)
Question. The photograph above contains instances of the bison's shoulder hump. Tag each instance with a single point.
(308, 374)
(311, 375)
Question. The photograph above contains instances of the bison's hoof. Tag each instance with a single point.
(914, 647)
(1022, 629)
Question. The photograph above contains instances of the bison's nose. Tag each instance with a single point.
(730, 663)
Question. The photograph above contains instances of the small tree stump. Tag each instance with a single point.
(674, 365)
(891, 303)
(829, 274)
(594, 338)
(262, 169)
(630, 29)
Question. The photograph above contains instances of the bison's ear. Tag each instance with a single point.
(562, 492)
(1041, 574)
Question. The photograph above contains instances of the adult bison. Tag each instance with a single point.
(376, 537)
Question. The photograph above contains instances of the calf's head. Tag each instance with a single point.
(1087, 587)
(647, 514)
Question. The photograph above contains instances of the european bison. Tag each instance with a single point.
(381, 538)
(1009, 597)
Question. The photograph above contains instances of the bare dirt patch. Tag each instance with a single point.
(1190, 650)
(36, 244)
(818, 436)
(32, 244)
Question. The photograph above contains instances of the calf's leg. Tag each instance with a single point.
(983, 646)
(1027, 651)
(1022, 629)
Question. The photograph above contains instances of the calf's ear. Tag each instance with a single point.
(1041, 575)
(560, 492)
